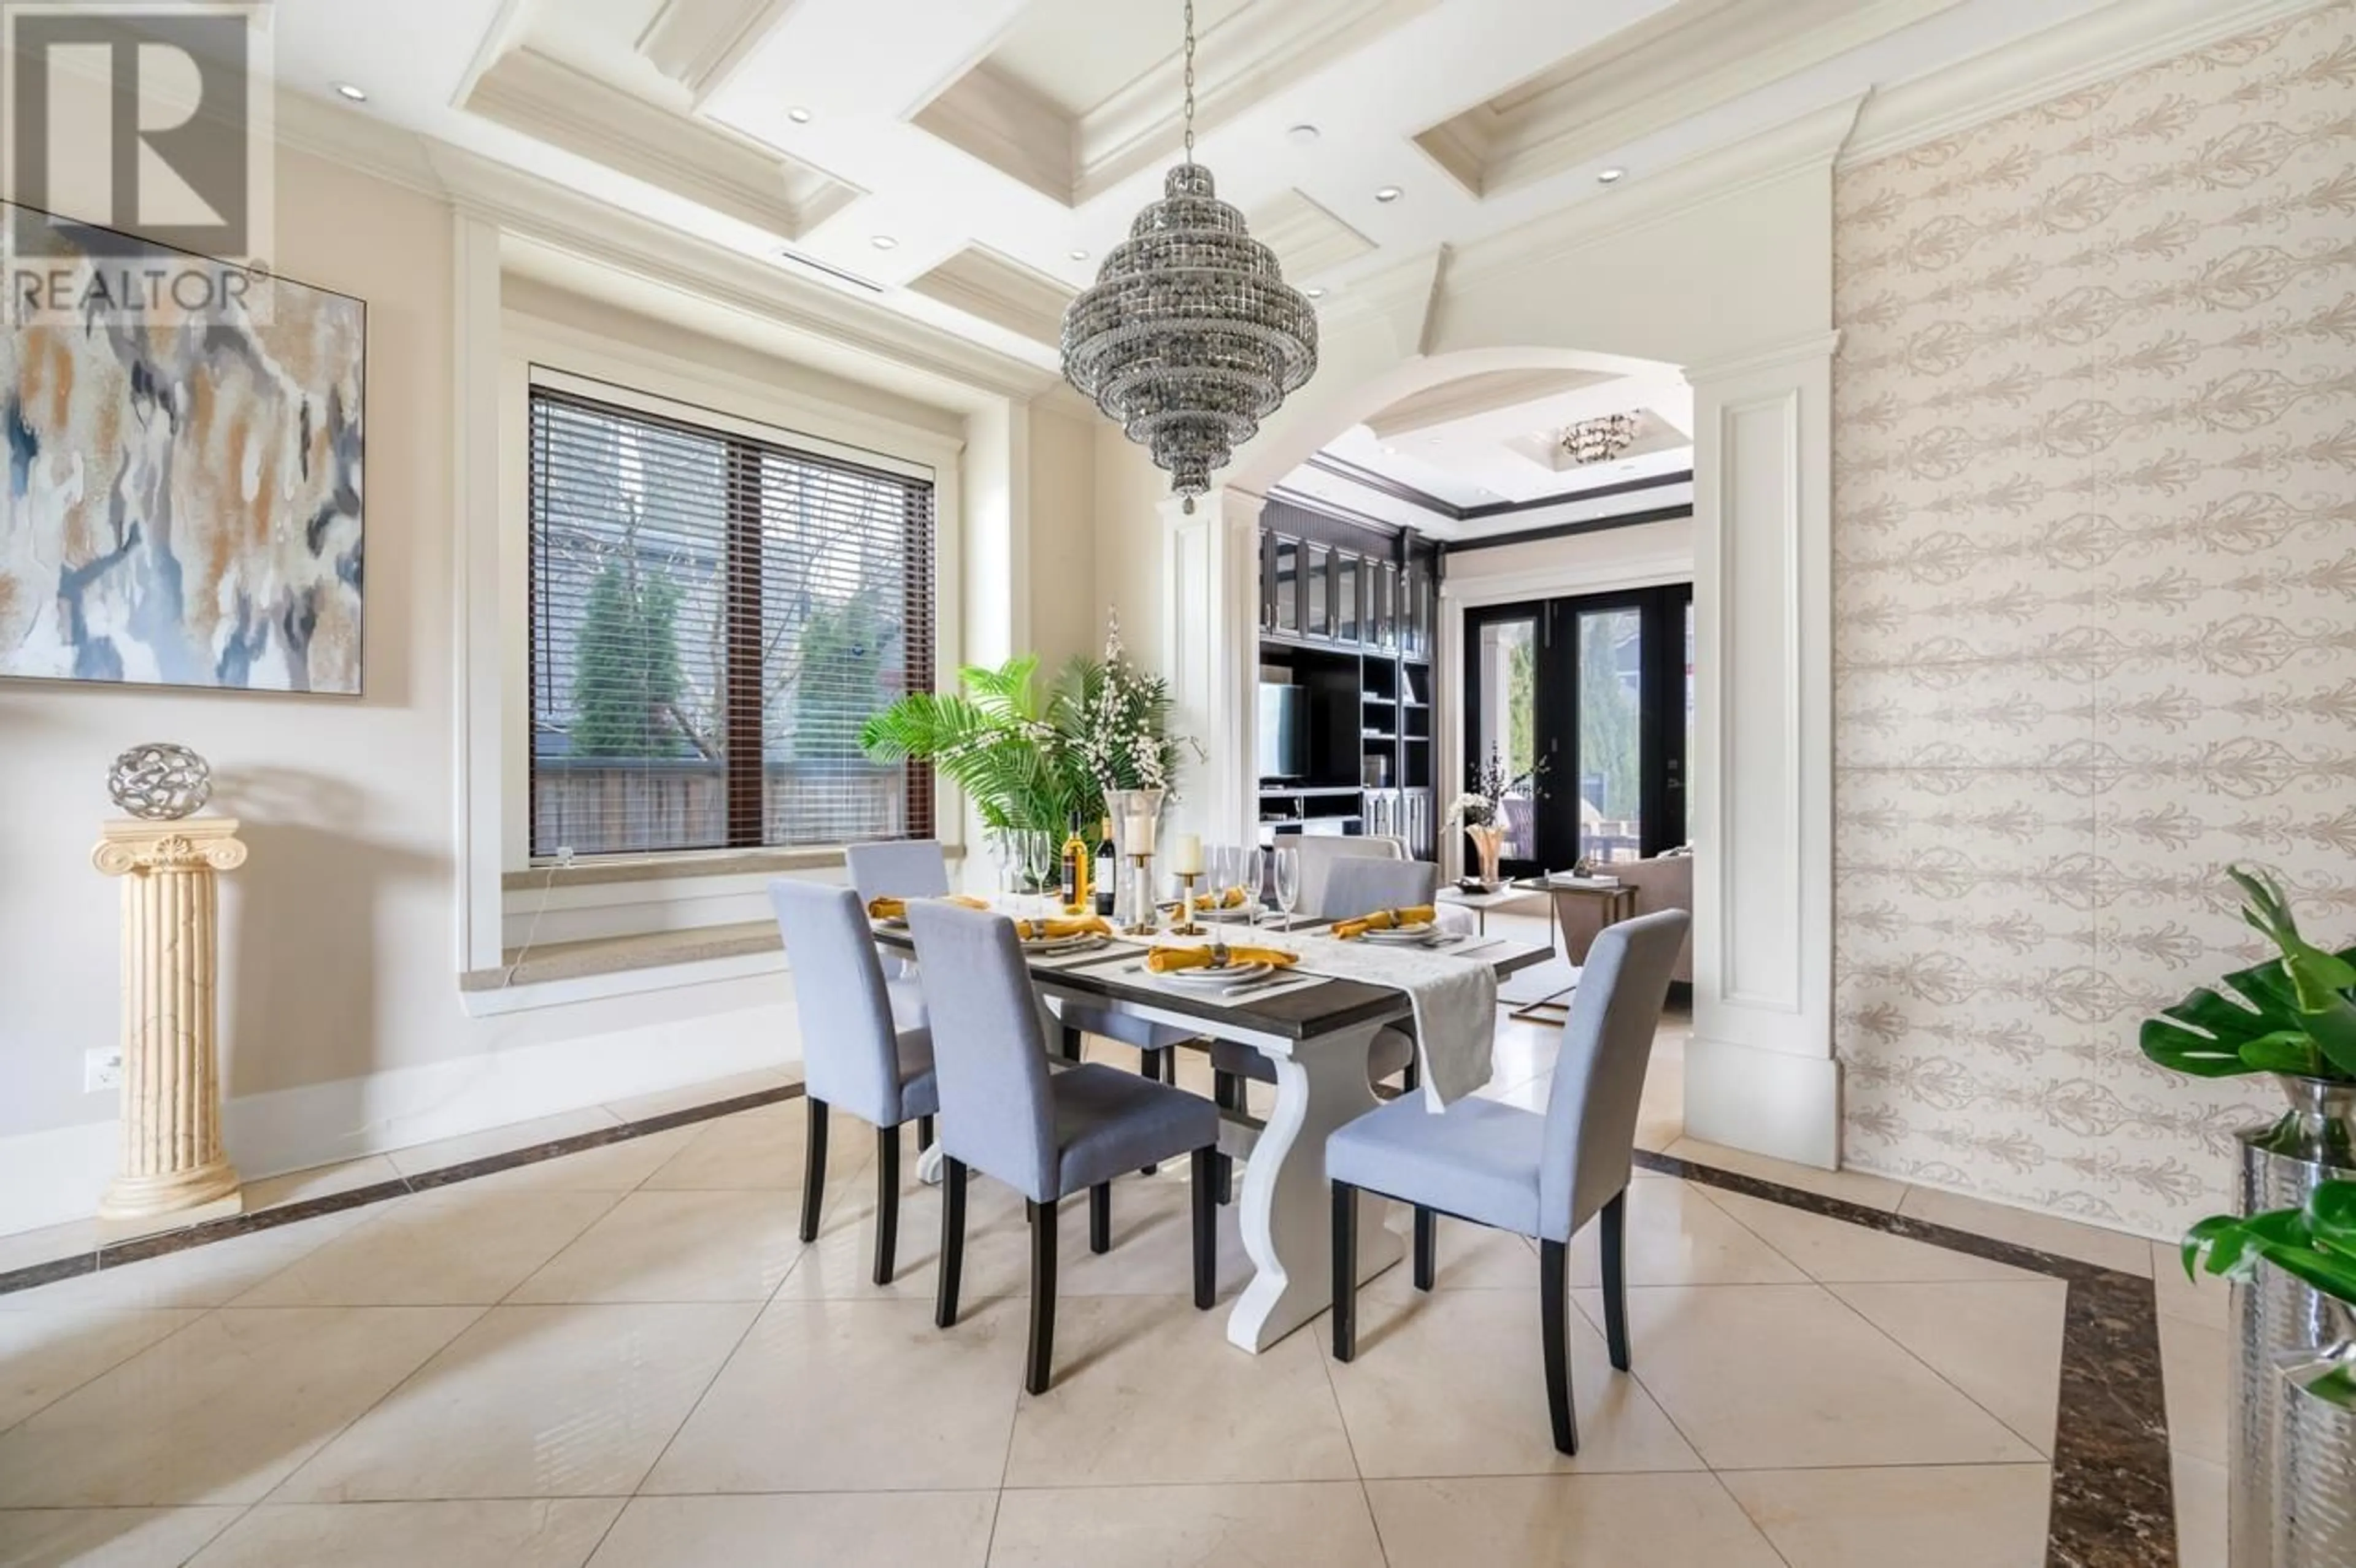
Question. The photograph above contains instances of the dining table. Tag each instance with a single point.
(1317, 1031)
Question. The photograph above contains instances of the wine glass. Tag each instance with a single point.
(1288, 883)
(1004, 859)
(1039, 866)
(1253, 861)
(1226, 872)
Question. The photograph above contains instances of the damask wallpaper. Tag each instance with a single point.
(2094, 543)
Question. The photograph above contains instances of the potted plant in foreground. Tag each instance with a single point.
(2307, 1516)
(2293, 1017)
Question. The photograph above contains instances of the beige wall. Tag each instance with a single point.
(2096, 573)
(1066, 612)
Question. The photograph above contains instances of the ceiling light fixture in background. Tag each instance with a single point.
(1302, 135)
(798, 116)
(1598, 440)
(1191, 336)
(1611, 177)
(1078, 255)
(345, 90)
(884, 242)
(1389, 193)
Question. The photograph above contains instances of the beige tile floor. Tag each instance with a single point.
(627, 1358)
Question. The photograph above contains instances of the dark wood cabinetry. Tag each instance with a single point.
(1350, 614)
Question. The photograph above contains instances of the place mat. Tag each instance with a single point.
(1104, 953)
(1135, 973)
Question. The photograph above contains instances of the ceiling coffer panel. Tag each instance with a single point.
(584, 115)
(1071, 102)
(1000, 290)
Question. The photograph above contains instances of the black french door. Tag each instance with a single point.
(1593, 697)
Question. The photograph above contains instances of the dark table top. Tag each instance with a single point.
(1296, 1014)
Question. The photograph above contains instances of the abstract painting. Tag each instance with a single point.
(183, 498)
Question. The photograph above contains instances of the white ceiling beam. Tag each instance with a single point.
(699, 43)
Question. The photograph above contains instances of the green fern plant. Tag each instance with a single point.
(993, 739)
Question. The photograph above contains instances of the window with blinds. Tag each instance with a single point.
(713, 617)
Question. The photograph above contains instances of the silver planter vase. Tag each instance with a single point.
(2293, 1460)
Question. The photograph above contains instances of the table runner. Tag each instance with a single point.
(1454, 999)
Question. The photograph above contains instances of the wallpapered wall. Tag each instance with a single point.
(2095, 534)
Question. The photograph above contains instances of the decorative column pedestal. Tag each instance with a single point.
(172, 1160)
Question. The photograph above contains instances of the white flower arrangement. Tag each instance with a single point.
(1469, 810)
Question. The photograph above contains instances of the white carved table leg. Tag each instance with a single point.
(1288, 1209)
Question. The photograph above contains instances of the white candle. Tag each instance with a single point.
(1139, 835)
(1186, 855)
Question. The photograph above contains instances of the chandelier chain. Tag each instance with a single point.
(1189, 80)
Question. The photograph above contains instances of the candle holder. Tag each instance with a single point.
(1186, 926)
(1141, 905)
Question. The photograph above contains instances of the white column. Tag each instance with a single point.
(172, 1160)
(483, 668)
(1760, 1072)
(1210, 655)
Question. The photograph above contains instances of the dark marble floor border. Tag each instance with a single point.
(2113, 1498)
(115, 1254)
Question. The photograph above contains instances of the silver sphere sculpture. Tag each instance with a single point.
(160, 782)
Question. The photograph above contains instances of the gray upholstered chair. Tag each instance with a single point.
(1542, 1175)
(1321, 852)
(1047, 1134)
(855, 1053)
(1354, 886)
(899, 869)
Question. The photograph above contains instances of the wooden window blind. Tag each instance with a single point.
(714, 617)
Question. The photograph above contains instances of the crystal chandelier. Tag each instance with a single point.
(1191, 337)
(1599, 441)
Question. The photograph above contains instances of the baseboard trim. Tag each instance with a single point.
(1767, 1102)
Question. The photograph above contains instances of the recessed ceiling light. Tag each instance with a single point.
(1078, 255)
(1315, 293)
(1389, 193)
(1612, 176)
(345, 90)
(1390, 451)
(798, 116)
(1302, 135)
(884, 242)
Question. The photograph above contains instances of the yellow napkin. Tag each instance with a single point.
(1162, 960)
(888, 908)
(1051, 928)
(1232, 898)
(1384, 919)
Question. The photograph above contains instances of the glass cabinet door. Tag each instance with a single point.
(1345, 597)
(1287, 586)
(1385, 577)
(1268, 582)
(1318, 620)
(1411, 614)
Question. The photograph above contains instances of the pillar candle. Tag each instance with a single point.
(1186, 855)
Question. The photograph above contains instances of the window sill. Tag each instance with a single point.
(553, 962)
(609, 872)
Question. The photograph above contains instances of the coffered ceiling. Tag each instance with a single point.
(969, 163)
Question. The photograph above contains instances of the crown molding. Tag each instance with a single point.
(1000, 290)
(698, 44)
(2119, 39)
(1808, 143)
(1815, 346)
(544, 98)
(1306, 237)
(354, 139)
(1667, 69)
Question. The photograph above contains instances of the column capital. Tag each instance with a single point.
(1816, 346)
(128, 845)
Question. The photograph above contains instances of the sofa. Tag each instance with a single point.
(1665, 881)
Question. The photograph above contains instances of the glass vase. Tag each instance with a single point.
(1136, 824)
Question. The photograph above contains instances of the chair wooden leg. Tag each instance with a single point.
(1170, 1066)
(1149, 1065)
(924, 1134)
(887, 1202)
(1039, 1370)
(1227, 1094)
(1345, 1271)
(945, 1306)
(1206, 1228)
(1554, 1269)
(1100, 1218)
(1426, 1224)
(1411, 1078)
(813, 1168)
(1615, 1237)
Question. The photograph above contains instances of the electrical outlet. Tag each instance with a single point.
(102, 1068)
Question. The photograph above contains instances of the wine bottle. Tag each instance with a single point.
(1108, 867)
(1077, 872)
